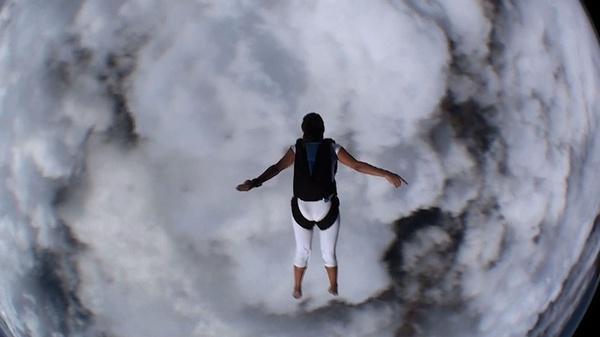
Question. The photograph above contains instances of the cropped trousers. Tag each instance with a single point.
(315, 211)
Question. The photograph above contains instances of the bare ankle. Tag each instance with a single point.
(297, 292)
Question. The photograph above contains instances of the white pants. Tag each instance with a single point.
(315, 211)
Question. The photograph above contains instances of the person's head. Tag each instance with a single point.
(313, 127)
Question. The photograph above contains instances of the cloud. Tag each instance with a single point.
(125, 126)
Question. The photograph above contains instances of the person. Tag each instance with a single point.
(315, 201)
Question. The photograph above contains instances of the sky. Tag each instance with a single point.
(126, 125)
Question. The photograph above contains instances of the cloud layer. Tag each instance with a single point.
(125, 126)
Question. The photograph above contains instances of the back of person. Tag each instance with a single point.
(315, 201)
(315, 166)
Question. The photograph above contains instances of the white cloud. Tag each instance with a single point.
(217, 91)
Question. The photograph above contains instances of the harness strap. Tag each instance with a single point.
(324, 223)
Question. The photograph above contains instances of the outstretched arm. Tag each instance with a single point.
(270, 172)
(366, 168)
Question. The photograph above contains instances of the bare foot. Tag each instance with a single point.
(297, 293)
(333, 290)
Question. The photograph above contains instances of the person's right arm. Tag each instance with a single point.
(347, 159)
(270, 172)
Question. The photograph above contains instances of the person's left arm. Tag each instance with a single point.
(347, 159)
(270, 172)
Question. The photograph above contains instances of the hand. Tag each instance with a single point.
(395, 179)
(246, 186)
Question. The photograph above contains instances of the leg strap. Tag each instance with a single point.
(324, 223)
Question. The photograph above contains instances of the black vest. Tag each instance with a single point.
(318, 186)
(321, 184)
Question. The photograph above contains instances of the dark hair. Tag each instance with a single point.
(313, 127)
